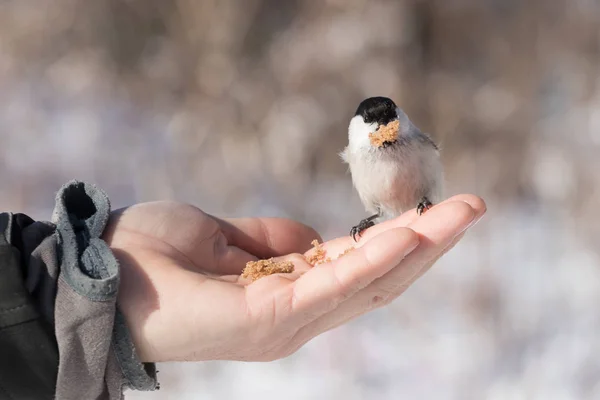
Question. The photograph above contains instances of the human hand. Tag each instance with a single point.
(183, 297)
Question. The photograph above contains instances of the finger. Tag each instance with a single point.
(409, 217)
(267, 237)
(439, 229)
(321, 289)
(338, 245)
(377, 302)
(347, 311)
(431, 263)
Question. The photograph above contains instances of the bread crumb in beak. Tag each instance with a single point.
(385, 133)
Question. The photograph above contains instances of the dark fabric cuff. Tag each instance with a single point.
(27, 235)
(28, 348)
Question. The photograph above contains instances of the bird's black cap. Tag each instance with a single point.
(377, 109)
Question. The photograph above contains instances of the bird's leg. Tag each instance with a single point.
(423, 205)
(363, 225)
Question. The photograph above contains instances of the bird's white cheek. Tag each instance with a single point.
(358, 133)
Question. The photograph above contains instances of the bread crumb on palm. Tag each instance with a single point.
(319, 255)
(348, 250)
(258, 269)
(385, 133)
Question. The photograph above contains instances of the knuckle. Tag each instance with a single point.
(407, 233)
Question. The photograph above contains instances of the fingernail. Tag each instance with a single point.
(478, 217)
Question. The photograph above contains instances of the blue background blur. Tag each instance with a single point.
(241, 107)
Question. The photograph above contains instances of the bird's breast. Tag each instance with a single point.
(392, 181)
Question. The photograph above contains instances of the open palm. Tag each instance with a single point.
(183, 297)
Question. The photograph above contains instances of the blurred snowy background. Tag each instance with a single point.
(241, 107)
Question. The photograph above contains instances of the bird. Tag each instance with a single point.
(396, 173)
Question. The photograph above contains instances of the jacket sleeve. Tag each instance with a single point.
(74, 277)
(28, 348)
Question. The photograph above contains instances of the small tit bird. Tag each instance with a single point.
(397, 174)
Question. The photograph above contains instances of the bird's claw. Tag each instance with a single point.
(362, 226)
(423, 205)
